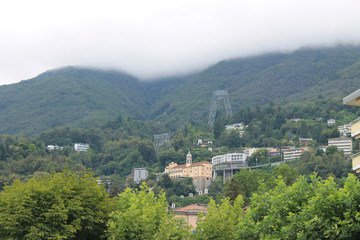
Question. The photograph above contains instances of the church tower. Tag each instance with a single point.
(188, 159)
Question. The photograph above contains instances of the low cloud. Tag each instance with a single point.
(150, 39)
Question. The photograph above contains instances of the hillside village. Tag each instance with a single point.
(228, 164)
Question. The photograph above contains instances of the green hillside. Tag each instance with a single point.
(87, 97)
(68, 96)
(299, 76)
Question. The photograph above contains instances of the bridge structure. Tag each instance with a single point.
(227, 169)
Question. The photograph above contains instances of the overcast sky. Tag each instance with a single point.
(154, 38)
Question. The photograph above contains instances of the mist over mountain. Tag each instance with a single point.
(88, 97)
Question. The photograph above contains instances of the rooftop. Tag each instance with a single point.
(192, 165)
(340, 138)
(191, 208)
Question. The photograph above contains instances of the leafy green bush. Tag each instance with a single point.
(57, 206)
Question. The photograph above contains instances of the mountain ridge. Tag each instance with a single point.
(87, 97)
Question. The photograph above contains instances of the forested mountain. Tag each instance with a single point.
(299, 76)
(88, 97)
(69, 96)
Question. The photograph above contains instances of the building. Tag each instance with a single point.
(293, 153)
(343, 143)
(213, 149)
(229, 158)
(200, 172)
(204, 143)
(235, 126)
(139, 174)
(323, 147)
(294, 119)
(331, 122)
(273, 152)
(305, 141)
(250, 151)
(53, 147)
(345, 130)
(354, 100)
(81, 147)
(190, 213)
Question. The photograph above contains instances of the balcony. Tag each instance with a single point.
(356, 162)
(355, 128)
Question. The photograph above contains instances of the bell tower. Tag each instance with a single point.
(188, 159)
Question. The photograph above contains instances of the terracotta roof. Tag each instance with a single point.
(191, 208)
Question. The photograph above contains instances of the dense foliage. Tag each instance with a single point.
(57, 206)
(119, 145)
(272, 125)
(318, 209)
(324, 164)
(142, 215)
(246, 183)
(221, 219)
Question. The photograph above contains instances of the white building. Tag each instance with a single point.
(292, 153)
(343, 143)
(53, 147)
(139, 174)
(250, 151)
(81, 147)
(345, 130)
(229, 157)
(235, 126)
(331, 122)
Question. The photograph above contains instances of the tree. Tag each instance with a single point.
(168, 156)
(288, 174)
(57, 206)
(142, 215)
(331, 164)
(232, 139)
(259, 157)
(216, 187)
(219, 126)
(316, 210)
(245, 183)
(180, 142)
(330, 150)
(190, 133)
(221, 220)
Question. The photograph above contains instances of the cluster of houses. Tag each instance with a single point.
(78, 147)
